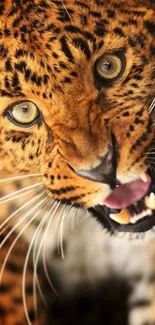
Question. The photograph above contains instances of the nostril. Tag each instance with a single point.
(105, 172)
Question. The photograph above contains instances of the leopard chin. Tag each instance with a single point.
(138, 217)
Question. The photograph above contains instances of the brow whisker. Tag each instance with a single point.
(66, 10)
(152, 106)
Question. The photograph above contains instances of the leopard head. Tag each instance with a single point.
(77, 88)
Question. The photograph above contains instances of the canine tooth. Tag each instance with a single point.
(123, 217)
(150, 201)
(152, 197)
(143, 176)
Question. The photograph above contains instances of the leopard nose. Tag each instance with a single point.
(105, 172)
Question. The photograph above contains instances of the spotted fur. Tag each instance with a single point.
(48, 54)
(62, 85)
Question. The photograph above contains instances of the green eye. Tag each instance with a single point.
(109, 66)
(23, 113)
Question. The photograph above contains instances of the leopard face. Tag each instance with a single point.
(77, 88)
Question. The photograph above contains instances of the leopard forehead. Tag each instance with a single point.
(43, 42)
(48, 50)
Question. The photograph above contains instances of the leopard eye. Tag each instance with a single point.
(23, 113)
(109, 67)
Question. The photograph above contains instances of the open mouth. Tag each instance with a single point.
(130, 207)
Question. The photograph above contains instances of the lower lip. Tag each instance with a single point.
(141, 226)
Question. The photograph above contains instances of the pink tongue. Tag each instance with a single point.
(127, 194)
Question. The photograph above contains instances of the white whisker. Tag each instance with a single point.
(72, 220)
(152, 106)
(16, 239)
(3, 230)
(153, 148)
(21, 220)
(35, 262)
(41, 294)
(66, 11)
(58, 241)
(20, 191)
(44, 253)
(151, 161)
(149, 153)
(20, 209)
(60, 235)
(77, 215)
(16, 178)
(24, 273)
(17, 196)
(41, 224)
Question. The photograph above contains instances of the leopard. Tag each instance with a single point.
(77, 140)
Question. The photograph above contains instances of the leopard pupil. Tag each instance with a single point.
(24, 109)
(107, 65)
